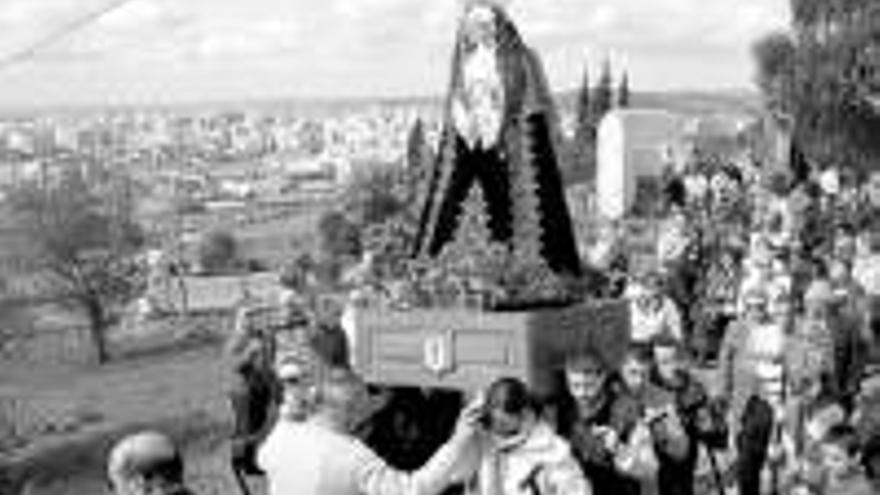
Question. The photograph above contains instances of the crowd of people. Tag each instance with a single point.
(639, 429)
(779, 409)
(773, 403)
(750, 339)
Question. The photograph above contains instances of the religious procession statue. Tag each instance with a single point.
(494, 210)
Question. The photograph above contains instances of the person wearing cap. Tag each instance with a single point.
(146, 463)
(322, 456)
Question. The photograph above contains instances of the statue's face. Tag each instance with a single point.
(478, 111)
(479, 28)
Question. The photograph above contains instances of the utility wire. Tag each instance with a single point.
(30, 52)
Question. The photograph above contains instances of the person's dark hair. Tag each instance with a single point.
(820, 268)
(163, 470)
(845, 229)
(666, 341)
(778, 183)
(675, 192)
(871, 456)
(733, 173)
(584, 360)
(330, 344)
(812, 189)
(170, 471)
(510, 395)
(640, 353)
(844, 436)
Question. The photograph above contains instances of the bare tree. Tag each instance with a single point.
(84, 240)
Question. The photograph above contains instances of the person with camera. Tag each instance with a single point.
(585, 418)
(645, 425)
(702, 418)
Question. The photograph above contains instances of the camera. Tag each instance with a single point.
(654, 416)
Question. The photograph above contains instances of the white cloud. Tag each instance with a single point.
(249, 39)
(140, 13)
(354, 46)
(18, 13)
(362, 8)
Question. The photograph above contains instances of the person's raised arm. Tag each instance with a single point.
(451, 464)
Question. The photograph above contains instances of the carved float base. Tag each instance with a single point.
(465, 350)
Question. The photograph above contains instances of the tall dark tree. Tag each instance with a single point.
(375, 193)
(824, 76)
(583, 147)
(583, 102)
(623, 93)
(776, 57)
(418, 162)
(415, 146)
(603, 95)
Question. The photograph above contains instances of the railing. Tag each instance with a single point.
(69, 345)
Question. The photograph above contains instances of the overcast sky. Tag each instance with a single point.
(170, 50)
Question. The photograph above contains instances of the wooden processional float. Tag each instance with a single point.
(494, 225)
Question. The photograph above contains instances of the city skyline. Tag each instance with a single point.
(166, 52)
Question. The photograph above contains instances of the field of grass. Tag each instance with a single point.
(277, 240)
(48, 406)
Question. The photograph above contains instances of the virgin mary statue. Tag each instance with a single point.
(499, 140)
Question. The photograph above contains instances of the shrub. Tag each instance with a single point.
(375, 193)
(338, 236)
(218, 251)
